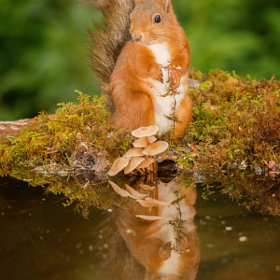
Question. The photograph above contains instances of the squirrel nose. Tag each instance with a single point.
(137, 37)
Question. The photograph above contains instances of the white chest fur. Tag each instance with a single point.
(166, 101)
(161, 54)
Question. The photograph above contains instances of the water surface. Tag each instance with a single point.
(43, 240)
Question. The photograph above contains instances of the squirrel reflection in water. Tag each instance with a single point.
(156, 241)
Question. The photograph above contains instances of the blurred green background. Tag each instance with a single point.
(43, 45)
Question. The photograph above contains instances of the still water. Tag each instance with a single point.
(213, 238)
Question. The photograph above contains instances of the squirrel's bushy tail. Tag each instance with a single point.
(107, 39)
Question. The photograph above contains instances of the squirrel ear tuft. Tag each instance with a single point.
(167, 6)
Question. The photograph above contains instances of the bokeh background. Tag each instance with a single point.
(43, 45)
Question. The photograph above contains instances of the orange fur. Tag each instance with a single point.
(184, 114)
(135, 77)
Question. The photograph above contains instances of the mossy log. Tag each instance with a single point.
(236, 121)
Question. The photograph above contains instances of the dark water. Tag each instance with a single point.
(43, 240)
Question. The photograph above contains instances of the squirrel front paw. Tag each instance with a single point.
(165, 251)
(156, 72)
(174, 76)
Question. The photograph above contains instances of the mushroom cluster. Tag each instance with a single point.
(142, 156)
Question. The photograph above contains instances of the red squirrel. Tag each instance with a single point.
(142, 59)
(167, 247)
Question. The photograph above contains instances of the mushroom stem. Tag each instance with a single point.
(152, 167)
(156, 191)
(139, 169)
(150, 178)
(155, 164)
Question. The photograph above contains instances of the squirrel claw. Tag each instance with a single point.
(165, 251)
(156, 72)
(182, 243)
(174, 76)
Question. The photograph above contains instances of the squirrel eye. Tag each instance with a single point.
(157, 19)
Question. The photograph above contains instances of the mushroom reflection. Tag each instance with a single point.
(156, 226)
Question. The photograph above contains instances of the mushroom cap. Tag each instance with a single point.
(147, 188)
(118, 165)
(123, 192)
(155, 148)
(155, 202)
(134, 152)
(146, 163)
(144, 142)
(145, 131)
(149, 218)
(143, 203)
(135, 193)
(119, 190)
(133, 163)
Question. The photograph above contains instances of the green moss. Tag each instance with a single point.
(236, 123)
(234, 120)
(54, 138)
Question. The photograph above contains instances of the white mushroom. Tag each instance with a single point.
(144, 142)
(120, 191)
(118, 165)
(133, 164)
(143, 203)
(149, 218)
(155, 149)
(146, 163)
(134, 192)
(134, 152)
(155, 202)
(145, 131)
(147, 188)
